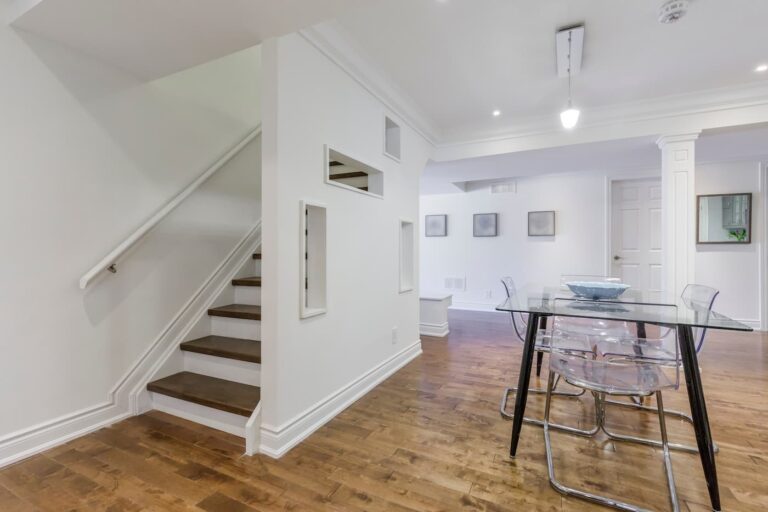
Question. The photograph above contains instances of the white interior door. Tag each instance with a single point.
(636, 233)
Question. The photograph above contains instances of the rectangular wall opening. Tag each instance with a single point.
(346, 172)
(391, 139)
(407, 258)
(313, 257)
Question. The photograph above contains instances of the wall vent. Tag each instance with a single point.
(457, 284)
(508, 187)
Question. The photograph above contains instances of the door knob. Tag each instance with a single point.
(616, 258)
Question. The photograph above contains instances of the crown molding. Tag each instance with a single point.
(679, 114)
(330, 40)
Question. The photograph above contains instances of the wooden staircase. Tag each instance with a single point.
(221, 370)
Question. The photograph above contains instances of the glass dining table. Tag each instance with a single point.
(638, 308)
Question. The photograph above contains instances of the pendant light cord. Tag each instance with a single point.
(570, 34)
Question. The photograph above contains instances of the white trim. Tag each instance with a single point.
(253, 432)
(113, 257)
(276, 441)
(132, 388)
(408, 288)
(327, 167)
(304, 310)
(763, 249)
(43, 436)
(434, 330)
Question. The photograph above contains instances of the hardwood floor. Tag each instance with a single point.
(429, 438)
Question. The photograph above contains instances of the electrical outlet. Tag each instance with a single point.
(394, 335)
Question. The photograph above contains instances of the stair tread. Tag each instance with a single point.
(223, 346)
(247, 281)
(347, 175)
(247, 311)
(257, 256)
(220, 394)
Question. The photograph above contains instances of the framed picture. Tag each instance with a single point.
(435, 225)
(541, 223)
(484, 224)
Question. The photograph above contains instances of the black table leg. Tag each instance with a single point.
(540, 355)
(699, 411)
(522, 384)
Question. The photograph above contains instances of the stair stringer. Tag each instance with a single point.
(165, 357)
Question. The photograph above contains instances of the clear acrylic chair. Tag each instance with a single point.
(662, 348)
(520, 325)
(630, 377)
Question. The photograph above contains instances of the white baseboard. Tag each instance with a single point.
(435, 330)
(276, 441)
(755, 324)
(25, 443)
(474, 306)
(123, 399)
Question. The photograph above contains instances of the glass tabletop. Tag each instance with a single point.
(632, 306)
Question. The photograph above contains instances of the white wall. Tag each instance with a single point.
(579, 246)
(734, 269)
(87, 154)
(308, 102)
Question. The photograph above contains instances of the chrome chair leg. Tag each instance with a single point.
(554, 426)
(667, 457)
(570, 491)
(653, 442)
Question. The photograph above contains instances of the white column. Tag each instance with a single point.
(678, 173)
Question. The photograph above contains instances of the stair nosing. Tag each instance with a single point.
(157, 387)
(246, 281)
(189, 346)
(220, 311)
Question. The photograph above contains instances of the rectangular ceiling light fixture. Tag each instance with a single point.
(577, 46)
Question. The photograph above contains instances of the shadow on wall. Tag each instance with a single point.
(173, 128)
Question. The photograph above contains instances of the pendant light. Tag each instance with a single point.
(570, 116)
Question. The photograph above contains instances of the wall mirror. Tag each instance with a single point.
(346, 172)
(724, 219)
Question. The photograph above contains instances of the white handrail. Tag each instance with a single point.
(110, 260)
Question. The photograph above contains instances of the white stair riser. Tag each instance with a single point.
(214, 418)
(257, 267)
(236, 328)
(222, 368)
(248, 295)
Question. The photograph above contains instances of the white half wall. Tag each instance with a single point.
(313, 368)
(87, 155)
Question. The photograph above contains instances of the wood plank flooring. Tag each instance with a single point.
(429, 438)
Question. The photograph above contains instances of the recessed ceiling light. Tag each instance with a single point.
(496, 113)
(762, 68)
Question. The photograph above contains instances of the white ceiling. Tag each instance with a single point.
(153, 38)
(638, 154)
(461, 59)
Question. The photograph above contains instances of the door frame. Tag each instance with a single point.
(608, 211)
(763, 278)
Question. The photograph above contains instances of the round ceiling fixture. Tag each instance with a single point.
(672, 10)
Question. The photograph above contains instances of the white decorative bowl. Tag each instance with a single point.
(597, 290)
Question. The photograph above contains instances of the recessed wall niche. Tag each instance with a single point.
(406, 255)
(346, 172)
(391, 139)
(313, 259)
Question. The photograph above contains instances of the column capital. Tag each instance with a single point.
(663, 140)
